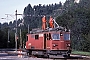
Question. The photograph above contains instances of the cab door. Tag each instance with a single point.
(45, 38)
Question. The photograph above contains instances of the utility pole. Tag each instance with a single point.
(20, 39)
(8, 32)
(8, 40)
(28, 28)
(16, 32)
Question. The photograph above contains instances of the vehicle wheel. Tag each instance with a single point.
(64, 55)
(47, 56)
(27, 54)
(68, 55)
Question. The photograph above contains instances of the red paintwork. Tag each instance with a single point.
(39, 44)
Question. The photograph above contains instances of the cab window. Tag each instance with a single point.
(36, 37)
(27, 38)
(66, 36)
(49, 36)
(55, 36)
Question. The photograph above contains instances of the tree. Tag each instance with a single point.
(77, 18)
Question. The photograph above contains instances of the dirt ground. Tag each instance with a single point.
(76, 58)
(73, 59)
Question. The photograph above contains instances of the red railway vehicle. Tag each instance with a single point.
(49, 41)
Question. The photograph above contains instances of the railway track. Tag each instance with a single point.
(52, 57)
(58, 57)
(73, 57)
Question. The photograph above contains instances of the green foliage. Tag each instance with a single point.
(77, 18)
(3, 38)
(33, 15)
(81, 53)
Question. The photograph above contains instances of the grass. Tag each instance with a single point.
(81, 53)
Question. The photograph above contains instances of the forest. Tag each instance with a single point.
(71, 15)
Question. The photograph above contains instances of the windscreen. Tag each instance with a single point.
(66, 36)
(55, 36)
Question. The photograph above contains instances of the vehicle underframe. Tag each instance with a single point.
(47, 53)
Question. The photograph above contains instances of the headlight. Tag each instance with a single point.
(29, 44)
(68, 45)
(54, 45)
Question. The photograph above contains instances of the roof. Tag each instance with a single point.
(47, 30)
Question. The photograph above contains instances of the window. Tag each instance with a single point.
(48, 36)
(27, 37)
(56, 36)
(36, 36)
(66, 36)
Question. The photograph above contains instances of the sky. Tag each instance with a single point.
(8, 7)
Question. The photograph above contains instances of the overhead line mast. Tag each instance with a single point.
(16, 31)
